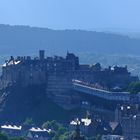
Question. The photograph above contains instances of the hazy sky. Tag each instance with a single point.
(71, 14)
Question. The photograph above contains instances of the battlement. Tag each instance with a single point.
(70, 62)
(26, 70)
(57, 72)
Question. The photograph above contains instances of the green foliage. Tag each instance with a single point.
(58, 130)
(17, 139)
(52, 134)
(91, 138)
(98, 137)
(56, 137)
(66, 136)
(3, 137)
(47, 125)
(134, 87)
(28, 121)
(53, 125)
(61, 130)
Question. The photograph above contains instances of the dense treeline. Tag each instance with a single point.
(5, 137)
(58, 132)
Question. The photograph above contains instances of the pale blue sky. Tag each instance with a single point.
(71, 14)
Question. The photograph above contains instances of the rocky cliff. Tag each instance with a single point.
(18, 103)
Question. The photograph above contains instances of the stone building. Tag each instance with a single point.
(57, 73)
(129, 118)
(38, 134)
(87, 126)
(125, 110)
(11, 130)
(131, 127)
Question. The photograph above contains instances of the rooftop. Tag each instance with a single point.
(85, 122)
(14, 127)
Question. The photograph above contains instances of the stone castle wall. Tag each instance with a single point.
(57, 73)
(59, 89)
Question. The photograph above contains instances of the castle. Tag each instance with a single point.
(57, 73)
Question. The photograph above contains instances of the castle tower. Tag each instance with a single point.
(41, 54)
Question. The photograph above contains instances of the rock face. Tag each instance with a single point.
(20, 103)
(27, 84)
(59, 71)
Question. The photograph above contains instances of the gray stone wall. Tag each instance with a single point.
(131, 127)
(59, 89)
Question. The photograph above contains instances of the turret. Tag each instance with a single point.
(41, 54)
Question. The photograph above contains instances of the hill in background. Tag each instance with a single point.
(90, 46)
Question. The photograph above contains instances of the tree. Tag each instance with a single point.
(66, 136)
(47, 125)
(98, 137)
(61, 130)
(17, 139)
(57, 129)
(28, 121)
(77, 135)
(3, 137)
(134, 87)
(54, 125)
